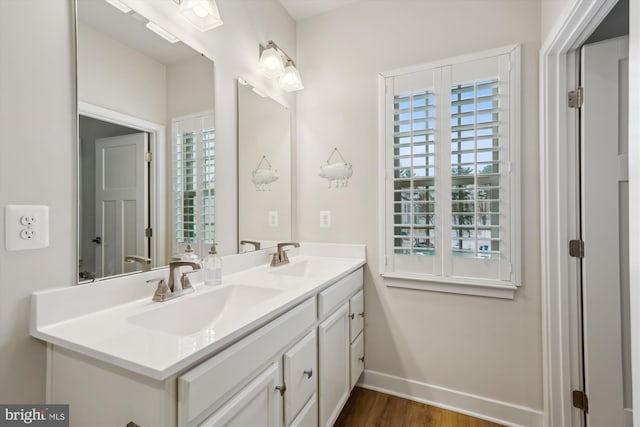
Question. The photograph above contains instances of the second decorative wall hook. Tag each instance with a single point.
(336, 172)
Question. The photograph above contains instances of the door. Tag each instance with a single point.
(605, 230)
(121, 179)
(257, 404)
(333, 361)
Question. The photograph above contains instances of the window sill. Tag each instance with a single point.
(483, 288)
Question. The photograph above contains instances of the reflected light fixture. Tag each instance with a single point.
(162, 32)
(202, 14)
(274, 63)
(119, 5)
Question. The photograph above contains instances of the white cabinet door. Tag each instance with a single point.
(333, 355)
(356, 314)
(300, 375)
(257, 404)
(308, 417)
(357, 359)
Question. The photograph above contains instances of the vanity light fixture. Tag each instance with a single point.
(162, 32)
(275, 63)
(270, 62)
(119, 5)
(202, 14)
(290, 81)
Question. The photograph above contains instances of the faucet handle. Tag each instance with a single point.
(162, 289)
(184, 279)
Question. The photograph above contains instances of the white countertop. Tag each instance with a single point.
(96, 319)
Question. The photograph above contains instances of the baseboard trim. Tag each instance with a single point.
(476, 406)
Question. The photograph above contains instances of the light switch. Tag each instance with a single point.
(273, 218)
(26, 227)
(325, 219)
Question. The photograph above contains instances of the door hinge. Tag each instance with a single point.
(576, 248)
(576, 98)
(148, 232)
(148, 157)
(580, 400)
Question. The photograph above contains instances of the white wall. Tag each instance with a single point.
(37, 117)
(37, 166)
(552, 13)
(481, 346)
(112, 75)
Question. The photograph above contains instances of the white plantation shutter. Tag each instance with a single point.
(450, 209)
(194, 177)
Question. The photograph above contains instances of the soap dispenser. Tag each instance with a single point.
(212, 265)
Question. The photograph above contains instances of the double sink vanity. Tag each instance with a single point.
(270, 346)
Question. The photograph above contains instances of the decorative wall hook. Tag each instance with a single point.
(338, 172)
(263, 177)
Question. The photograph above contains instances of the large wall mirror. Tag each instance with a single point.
(146, 145)
(264, 169)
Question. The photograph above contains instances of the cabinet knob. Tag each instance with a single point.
(132, 424)
(361, 359)
(361, 314)
(281, 388)
(308, 373)
(352, 316)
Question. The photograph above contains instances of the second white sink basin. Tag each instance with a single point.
(202, 311)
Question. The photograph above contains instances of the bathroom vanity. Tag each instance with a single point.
(270, 346)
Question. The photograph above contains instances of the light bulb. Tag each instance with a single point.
(200, 11)
(271, 63)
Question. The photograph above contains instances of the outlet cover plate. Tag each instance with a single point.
(20, 237)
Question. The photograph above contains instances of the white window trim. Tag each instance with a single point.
(458, 285)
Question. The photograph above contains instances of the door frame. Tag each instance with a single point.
(157, 172)
(559, 192)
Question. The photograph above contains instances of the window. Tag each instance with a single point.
(194, 179)
(451, 191)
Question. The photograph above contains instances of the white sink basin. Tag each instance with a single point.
(202, 311)
(298, 269)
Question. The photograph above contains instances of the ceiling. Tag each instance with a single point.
(303, 9)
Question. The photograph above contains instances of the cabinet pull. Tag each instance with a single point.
(308, 373)
(361, 359)
(352, 316)
(361, 314)
(281, 388)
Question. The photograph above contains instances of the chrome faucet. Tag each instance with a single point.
(144, 262)
(166, 292)
(280, 257)
(255, 243)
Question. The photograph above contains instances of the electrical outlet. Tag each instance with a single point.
(325, 219)
(26, 227)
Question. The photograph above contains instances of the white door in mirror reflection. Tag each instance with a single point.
(121, 177)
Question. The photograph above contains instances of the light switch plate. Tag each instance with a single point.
(325, 219)
(26, 227)
(273, 218)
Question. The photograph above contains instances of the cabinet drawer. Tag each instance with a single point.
(357, 359)
(300, 375)
(331, 297)
(205, 387)
(356, 315)
(308, 417)
(257, 404)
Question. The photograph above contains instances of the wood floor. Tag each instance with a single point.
(367, 408)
